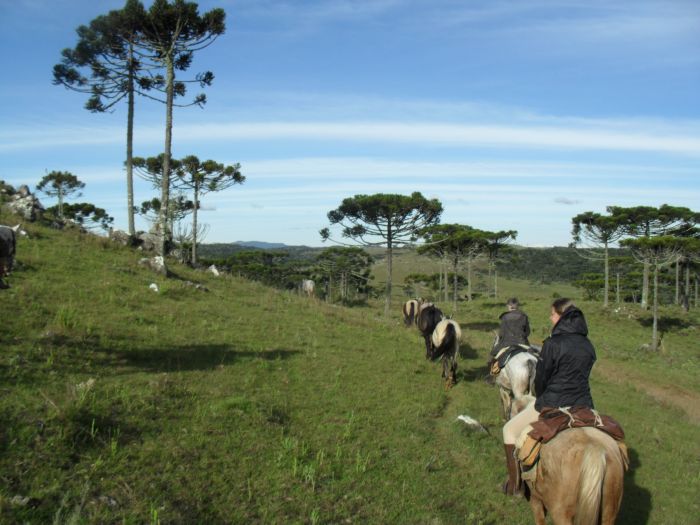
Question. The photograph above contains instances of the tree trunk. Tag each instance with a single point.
(165, 183)
(60, 203)
(645, 285)
(495, 281)
(655, 313)
(678, 281)
(454, 286)
(686, 288)
(389, 263)
(606, 288)
(617, 288)
(469, 279)
(490, 273)
(446, 279)
(194, 222)
(130, 147)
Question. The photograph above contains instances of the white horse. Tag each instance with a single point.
(516, 383)
(307, 287)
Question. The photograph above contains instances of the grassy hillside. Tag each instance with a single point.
(243, 404)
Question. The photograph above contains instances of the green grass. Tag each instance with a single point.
(248, 405)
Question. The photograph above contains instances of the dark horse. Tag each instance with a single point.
(428, 318)
(8, 246)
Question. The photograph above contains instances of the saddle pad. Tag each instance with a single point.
(527, 449)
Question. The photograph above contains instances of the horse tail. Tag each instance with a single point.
(412, 313)
(532, 367)
(446, 337)
(590, 489)
(407, 310)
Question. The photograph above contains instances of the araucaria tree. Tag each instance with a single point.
(348, 267)
(591, 228)
(103, 65)
(658, 252)
(381, 219)
(456, 243)
(86, 214)
(202, 178)
(60, 184)
(496, 246)
(174, 32)
(644, 222)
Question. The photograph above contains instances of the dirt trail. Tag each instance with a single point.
(685, 400)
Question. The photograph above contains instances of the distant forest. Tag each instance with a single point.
(557, 264)
(542, 265)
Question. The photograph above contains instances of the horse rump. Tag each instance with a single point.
(580, 476)
(410, 312)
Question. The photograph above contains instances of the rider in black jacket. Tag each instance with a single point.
(514, 328)
(561, 379)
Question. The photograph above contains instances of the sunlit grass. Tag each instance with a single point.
(249, 405)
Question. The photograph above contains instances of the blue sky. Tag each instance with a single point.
(515, 114)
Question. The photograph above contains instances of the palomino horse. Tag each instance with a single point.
(516, 381)
(579, 479)
(445, 341)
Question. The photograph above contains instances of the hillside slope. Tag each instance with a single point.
(243, 404)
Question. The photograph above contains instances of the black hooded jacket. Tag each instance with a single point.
(561, 379)
(514, 330)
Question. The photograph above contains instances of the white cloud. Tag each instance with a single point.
(416, 133)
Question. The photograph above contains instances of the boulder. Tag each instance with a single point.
(24, 204)
(120, 237)
(157, 264)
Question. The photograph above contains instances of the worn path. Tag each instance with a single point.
(685, 400)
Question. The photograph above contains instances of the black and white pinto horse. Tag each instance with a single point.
(428, 318)
(8, 248)
(516, 380)
(445, 341)
(410, 311)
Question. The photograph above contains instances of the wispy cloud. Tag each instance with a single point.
(415, 133)
(566, 201)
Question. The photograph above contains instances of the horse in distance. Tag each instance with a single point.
(428, 318)
(445, 340)
(8, 248)
(410, 311)
(308, 287)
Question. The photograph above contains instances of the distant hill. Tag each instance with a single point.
(224, 250)
(260, 245)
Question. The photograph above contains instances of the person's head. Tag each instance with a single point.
(559, 307)
(512, 304)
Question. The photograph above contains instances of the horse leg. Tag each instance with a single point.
(428, 345)
(538, 511)
(505, 403)
(612, 491)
